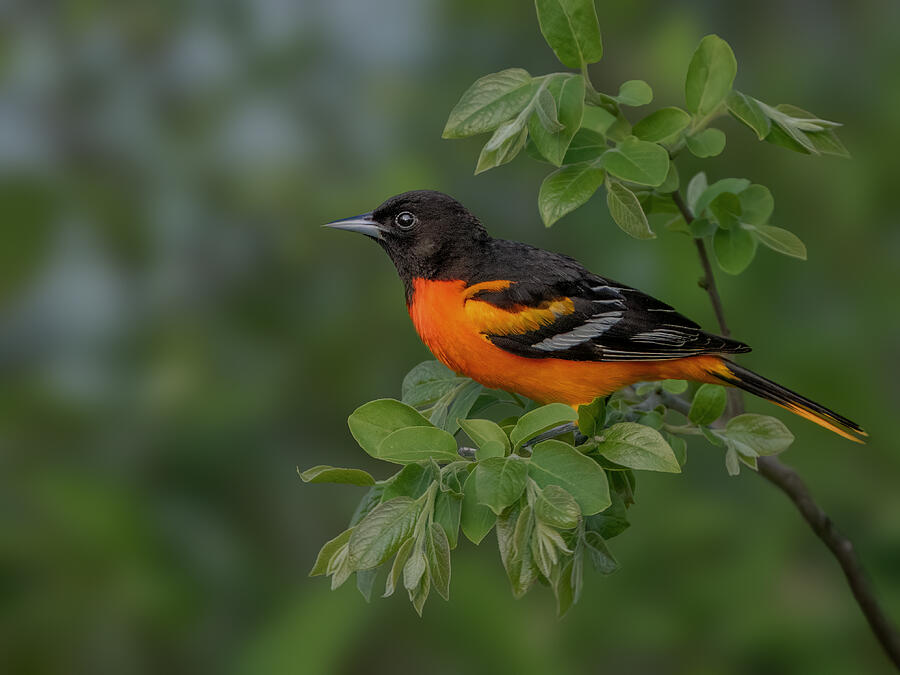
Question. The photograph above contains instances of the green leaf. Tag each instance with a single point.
(735, 185)
(639, 447)
(411, 481)
(566, 189)
(428, 382)
(780, 240)
(679, 447)
(702, 227)
(438, 551)
(567, 96)
(455, 405)
(564, 580)
(732, 463)
(489, 102)
(491, 449)
(601, 557)
(370, 500)
(710, 75)
(706, 143)
(827, 143)
(379, 535)
(746, 109)
(726, 210)
(546, 546)
(447, 514)
(612, 521)
(598, 120)
(485, 431)
(708, 404)
(571, 29)
(413, 444)
(670, 184)
(330, 474)
(544, 106)
(675, 386)
(416, 567)
(713, 437)
(778, 136)
(637, 161)
(586, 146)
(419, 594)
(662, 124)
(476, 519)
(626, 211)
(757, 204)
(501, 481)
(634, 93)
(556, 463)
(328, 551)
(539, 420)
(396, 573)
(734, 249)
(802, 131)
(696, 187)
(757, 435)
(557, 507)
(365, 582)
(514, 529)
(374, 421)
(507, 141)
(592, 416)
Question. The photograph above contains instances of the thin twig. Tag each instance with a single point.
(789, 481)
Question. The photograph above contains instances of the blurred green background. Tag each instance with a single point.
(177, 334)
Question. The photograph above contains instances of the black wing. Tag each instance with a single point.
(605, 320)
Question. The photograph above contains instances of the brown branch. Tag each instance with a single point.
(789, 482)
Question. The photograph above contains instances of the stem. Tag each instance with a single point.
(789, 482)
(709, 281)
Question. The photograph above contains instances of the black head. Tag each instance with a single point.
(426, 233)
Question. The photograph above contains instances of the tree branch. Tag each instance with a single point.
(789, 482)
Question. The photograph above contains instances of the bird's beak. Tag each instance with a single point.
(363, 223)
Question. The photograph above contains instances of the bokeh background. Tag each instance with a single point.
(178, 334)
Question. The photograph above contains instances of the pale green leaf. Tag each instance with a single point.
(489, 102)
(330, 474)
(662, 124)
(626, 211)
(567, 188)
(706, 143)
(779, 239)
(556, 463)
(637, 446)
(637, 161)
(414, 444)
(710, 75)
(571, 29)
(374, 421)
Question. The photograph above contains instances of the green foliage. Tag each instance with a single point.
(709, 77)
(553, 490)
(571, 29)
(626, 210)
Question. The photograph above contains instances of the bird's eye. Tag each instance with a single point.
(405, 220)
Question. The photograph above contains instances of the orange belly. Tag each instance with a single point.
(438, 311)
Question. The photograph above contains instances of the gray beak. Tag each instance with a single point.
(363, 223)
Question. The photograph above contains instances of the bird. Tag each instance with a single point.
(522, 319)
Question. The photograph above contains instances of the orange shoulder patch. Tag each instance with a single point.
(492, 320)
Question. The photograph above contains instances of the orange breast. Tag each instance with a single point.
(454, 325)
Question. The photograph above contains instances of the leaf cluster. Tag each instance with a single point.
(561, 119)
(554, 483)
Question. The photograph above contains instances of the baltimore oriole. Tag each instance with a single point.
(521, 319)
